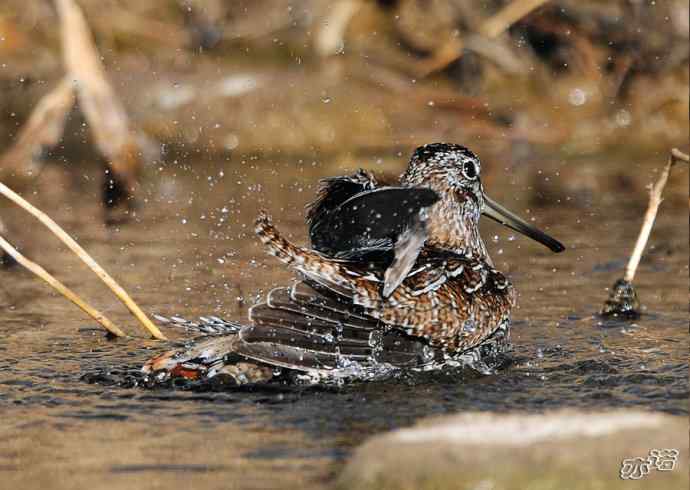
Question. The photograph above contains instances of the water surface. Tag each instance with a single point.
(190, 251)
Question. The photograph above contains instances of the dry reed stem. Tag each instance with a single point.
(61, 288)
(654, 202)
(86, 258)
(43, 129)
(679, 156)
(330, 38)
(442, 57)
(510, 14)
(103, 110)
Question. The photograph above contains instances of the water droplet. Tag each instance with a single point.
(577, 97)
(623, 118)
(427, 353)
(375, 339)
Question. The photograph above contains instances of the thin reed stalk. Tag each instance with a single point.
(650, 216)
(61, 288)
(86, 258)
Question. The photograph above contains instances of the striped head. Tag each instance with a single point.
(445, 167)
(453, 171)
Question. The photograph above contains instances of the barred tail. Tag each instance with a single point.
(313, 265)
(277, 245)
(205, 325)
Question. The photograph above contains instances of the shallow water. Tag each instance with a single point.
(190, 251)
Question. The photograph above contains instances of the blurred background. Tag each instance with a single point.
(213, 77)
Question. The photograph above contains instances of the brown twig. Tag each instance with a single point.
(449, 52)
(102, 109)
(679, 156)
(43, 129)
(61, 288)
(86, 258)
(623, 301)
(330, 37)
(650, 216)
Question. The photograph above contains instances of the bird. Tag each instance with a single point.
(396, 277)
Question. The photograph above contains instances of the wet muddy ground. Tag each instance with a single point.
(190, 251)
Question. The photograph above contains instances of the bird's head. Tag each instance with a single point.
(454, 172)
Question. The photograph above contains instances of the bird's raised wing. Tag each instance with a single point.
(352, 218)
(334, 191)
(302, 328)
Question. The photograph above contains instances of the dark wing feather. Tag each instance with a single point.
(303, 328)
(323, 334)
(369, 222)
(352, 219)
(336, 190)
(281, 298)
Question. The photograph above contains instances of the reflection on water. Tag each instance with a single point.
(74, 415)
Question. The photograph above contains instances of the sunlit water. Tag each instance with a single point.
(73, 414)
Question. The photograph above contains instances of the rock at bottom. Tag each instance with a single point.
(558, 450)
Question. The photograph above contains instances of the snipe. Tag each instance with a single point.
(396, 277)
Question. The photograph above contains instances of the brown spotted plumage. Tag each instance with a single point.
(396, 277)
(454, 302)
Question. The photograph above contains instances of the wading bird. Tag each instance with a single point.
(396, 277)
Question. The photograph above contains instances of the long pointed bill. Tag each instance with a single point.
(498, 213)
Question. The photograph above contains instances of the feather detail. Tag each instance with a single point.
(407, 250)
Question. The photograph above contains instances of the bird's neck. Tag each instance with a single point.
(454, 226)
(453, 222)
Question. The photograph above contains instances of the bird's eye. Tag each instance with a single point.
(469, 170)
